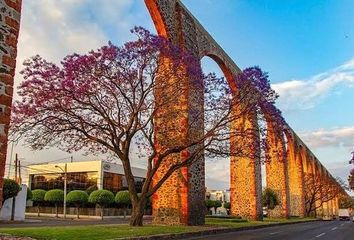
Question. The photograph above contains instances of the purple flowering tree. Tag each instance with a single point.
(110, 100)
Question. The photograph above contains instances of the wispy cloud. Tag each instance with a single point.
(337, 137)
(307, 93)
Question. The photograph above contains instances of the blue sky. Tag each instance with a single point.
(306, 46)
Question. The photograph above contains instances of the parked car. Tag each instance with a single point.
(343, 214)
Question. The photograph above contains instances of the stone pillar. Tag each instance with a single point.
(10, 13)
(245, 172)
(277, 171)
(318, 175)
(336, 206)
(326, 209)
(296, 180)
(181, 199)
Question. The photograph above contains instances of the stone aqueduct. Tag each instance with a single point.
(181, 199)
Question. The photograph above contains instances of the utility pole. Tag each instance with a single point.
(16, 167)
(65, 170)
(65, 182)
(14, 198)
(19, 172)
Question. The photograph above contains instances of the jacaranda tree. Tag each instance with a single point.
(115, 99)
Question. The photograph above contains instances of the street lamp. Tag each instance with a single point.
(65, 172)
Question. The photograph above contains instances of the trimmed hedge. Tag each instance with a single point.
(54, 196)
(101, 197)
(77, 197)
(38, 195)
(123, 199)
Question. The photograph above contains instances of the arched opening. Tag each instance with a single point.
(276, 168)
(217, 167)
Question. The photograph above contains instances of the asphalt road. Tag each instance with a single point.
(330, 230)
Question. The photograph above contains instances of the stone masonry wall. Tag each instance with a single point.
(10, 13)
(245, 171)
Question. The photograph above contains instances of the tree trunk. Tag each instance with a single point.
(56, 210)
(38, 210)
(77, 212)
(137, 215)
(102, 209)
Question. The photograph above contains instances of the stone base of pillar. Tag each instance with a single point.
(246, 192)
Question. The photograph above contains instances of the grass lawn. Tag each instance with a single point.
(98, 232)
(103, 232)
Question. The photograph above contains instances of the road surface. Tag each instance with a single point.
(329, 230)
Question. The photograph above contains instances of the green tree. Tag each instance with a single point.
(209, 204)
(217, 204)
(227, 206)
(270, 198)
(55, 196)
(79, 198)
(38, 198)
(123, 200)
(102, 198)
(212, 204)
(10, 189)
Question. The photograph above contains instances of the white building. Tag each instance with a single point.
(82, 175)
(220, 195)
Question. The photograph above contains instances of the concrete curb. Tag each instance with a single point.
(209, 232)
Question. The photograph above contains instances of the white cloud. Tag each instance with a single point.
(337, 137)
(56, 28)
(217, 173)
(307, 93)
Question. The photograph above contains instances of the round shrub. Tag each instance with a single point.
(10, 189)
(38, 195)
(101, 197)
(123, 199)
(209, 203)
(54, 196)
(38, 198)
(77, 197)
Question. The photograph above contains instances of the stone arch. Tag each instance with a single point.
(229, 75)
(296, 176)
(174, 21)
(277, 176)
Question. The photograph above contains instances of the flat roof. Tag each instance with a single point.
(84, 166)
